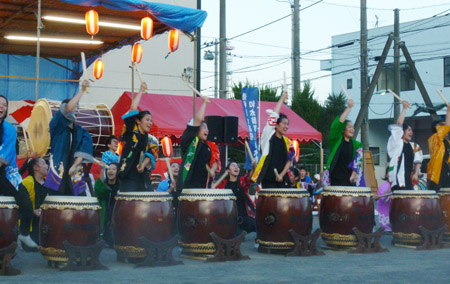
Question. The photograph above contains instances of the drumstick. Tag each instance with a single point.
(140, 74)
(208, 169)
(224, 175)
(345, 92)
(276, 173)
(100, 162)
(26, 140)
(249, 152)
(284, 84)
(83, 62)
(442, 97)
(196, 91)
(141, 156)
(397, 96)
(169, 170)
(376, 197)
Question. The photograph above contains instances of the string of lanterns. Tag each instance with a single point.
(92, 28)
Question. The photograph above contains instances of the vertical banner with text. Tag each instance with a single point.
(250, 107)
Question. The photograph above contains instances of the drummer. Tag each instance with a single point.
(240, 186)
(405, 156)
(137, 124)
(67, 156)
(10, 177)
(111, 155)
(438, 171)
(277, 153)
(195, 152)
(346, 153)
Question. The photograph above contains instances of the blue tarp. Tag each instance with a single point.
(182, 18)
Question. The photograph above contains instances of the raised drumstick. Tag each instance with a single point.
(83, 62)
(196, 91)
(442, 97)
(224, 175)
(345, 92)
(276, 173)
(397, 96)
(139, 74)
(100, 162)
(249, 152)
(169, 170)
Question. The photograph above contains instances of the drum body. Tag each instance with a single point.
(410, 209)
(96, 119)
(277, 211)
(9, 217)
(201, 212)
(444, 202)
(67, 218)
(141, 214)
(342, 209)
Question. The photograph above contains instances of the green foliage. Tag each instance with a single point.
(305, 105)
(268, 94)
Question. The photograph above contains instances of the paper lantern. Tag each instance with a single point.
(174, 39)
(146, 28)
(296, 147)
(137, 53)
(166, 145)
(98, 69)
(92, 22)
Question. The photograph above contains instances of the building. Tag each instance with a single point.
(427, 42)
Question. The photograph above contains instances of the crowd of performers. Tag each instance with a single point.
(72, 152)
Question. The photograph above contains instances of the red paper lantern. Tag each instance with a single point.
(92, 22)
(166, 144)
(137, 53)
(146, 28)
(98, 69)
(174, 39)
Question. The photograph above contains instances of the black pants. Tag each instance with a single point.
(128, 184)
(22, 199)
(248, 224)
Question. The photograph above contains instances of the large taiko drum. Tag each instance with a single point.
(96, 119)
(444, 201)
(277, 211)
(8, 221)
(201, 212)
(141, 214)
(67, 218)
(342, 209)
(410, 209)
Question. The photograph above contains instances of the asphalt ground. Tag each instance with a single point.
(399, 265)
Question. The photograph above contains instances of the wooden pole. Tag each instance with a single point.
(249, 152)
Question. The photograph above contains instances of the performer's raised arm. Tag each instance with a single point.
(401, 117)
(344, 115)
(137, 99)
(72, 104)
(280, 102)
(200, 115)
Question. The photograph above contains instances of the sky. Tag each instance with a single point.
(262, 56)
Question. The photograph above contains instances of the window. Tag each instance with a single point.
(349, 84)
(375, 155)
(446, 71)
(407, 83)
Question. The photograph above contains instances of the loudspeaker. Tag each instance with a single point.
(230, 129)
(215, 127)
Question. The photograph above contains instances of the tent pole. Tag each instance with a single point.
(38, 48)
(132, 82)
(321, 158)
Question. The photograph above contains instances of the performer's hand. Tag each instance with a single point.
(211, 173)
(84, 85)
(73, 170)
(279, 178)
(172, 187)
(102, 165)
(143, 87)
(140, 168)
(205, 100)
(254, 164)
(415, 177)
(406, 104)
(350, 103)
(353, 177)
(37, 212)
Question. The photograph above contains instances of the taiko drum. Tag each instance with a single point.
(444, 202)
(8, 221)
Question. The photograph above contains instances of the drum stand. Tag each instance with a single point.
(365, 243)
(227, 250)
(305, 245)
(432, 238)
(83, 258)
(159, 253)
(6, 254)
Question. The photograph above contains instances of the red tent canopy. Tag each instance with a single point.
(172, 113)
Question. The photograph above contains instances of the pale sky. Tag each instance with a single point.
(263, 55)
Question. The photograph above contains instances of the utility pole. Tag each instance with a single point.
(295, 61)
(216, 69)
(223, 52)
(396, 62)
(198, 35)
(365, 125)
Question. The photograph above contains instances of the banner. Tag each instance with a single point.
(250, 106)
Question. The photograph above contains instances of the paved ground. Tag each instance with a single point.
(399, 265)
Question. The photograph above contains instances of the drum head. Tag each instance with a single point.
(39, 129)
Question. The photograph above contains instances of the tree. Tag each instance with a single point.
(268, 94)
(306, 106)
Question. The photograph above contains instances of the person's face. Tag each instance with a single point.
(113, 145)
(292, 178)
(41, 167)
(302, 173)
(111, 173)
(349, 130)
(407, 135)
(145, 123)
(3, 107)
(203, 132)
(175, 168)
(233, 169)
(282, 127)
